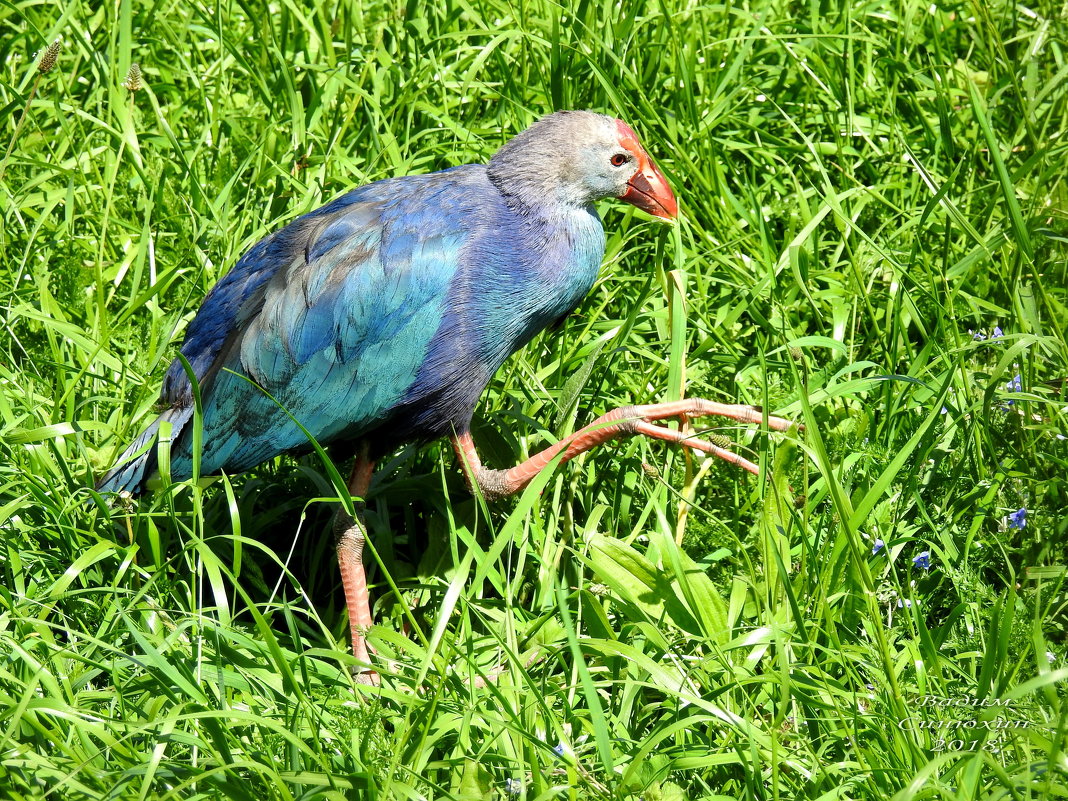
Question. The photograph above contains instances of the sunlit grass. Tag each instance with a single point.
(868, 192)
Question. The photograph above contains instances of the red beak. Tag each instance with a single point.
(648, 190)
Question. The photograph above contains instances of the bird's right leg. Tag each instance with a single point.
(349, 538)
(622, 422)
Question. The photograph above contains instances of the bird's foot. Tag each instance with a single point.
(363, 673)
(494, 673)
(366, 676)
(641, 419)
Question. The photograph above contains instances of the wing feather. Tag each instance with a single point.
(332, 316)
(341, 332)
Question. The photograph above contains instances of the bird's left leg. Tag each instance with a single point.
(349, 538)
(621, 422)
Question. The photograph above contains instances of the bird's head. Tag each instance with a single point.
(578, 157)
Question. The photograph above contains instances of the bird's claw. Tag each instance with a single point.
(642, 422)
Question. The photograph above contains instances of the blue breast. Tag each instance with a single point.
(517, 277)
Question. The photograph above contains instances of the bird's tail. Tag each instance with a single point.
(138, 462)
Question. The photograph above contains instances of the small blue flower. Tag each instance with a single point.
(1018, 519)
(877, 546)
(513, 786)
(1015, 385)
(560, 749)
(978, 336)
(904, 603)
(997, 333)
(922, 560)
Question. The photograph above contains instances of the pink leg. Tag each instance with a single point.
(621, 422)
(349, 539)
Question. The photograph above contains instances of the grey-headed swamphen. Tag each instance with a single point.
(379, 319)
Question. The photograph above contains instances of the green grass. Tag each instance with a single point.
(863, 186)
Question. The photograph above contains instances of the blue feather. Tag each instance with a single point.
(134, 468)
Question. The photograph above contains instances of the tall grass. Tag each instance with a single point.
(869, 190)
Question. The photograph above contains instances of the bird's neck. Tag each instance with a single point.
(534, 193)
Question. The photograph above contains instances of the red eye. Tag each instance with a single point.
(618, 160)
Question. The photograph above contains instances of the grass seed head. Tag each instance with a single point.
(49, 57)
(133, 78)
(720, 441)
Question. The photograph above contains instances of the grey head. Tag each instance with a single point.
(571, 159)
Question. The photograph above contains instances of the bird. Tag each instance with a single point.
(379, 318)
